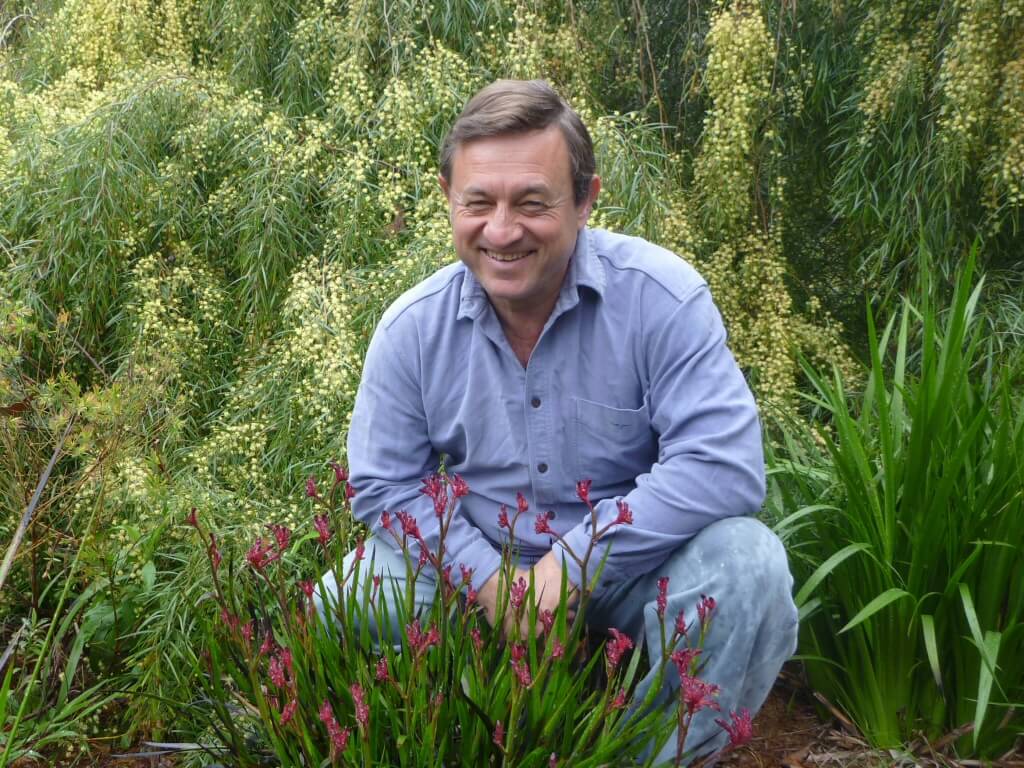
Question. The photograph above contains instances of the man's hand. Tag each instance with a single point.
(488, 599)
(547, 585)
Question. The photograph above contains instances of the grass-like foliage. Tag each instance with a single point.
(913, 601)
(287, 662)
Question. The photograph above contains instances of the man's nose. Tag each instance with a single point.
(502, 227)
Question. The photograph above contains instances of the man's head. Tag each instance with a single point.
(518, 171)
(507, 107)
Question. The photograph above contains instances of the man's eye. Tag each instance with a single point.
(476, 205)
(533, 205)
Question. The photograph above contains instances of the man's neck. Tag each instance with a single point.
(524, 323)
(523, 330)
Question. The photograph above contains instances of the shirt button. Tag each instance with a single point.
(542, 467)
(535, 402)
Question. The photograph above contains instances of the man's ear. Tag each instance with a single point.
(444, 187)
(583, 209)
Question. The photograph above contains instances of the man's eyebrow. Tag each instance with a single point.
(531, 189)
(534, 189)
(473, 190)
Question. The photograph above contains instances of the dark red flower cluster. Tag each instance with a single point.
(620, 700)
(517, 592)
(521, 506)
(662, 601)
(459, 486)
(275, 670)
(433, 487)
(520, 665)
(617, 646)
(214, 552)
(557, 649)
(419, 640)
(681, 627)
(280, 668)
(625, 514)
(323, 528)
(705, 608)
(547, 620)
(339, 736)
(698, 695)
(289, 711)
(260, 555)
(542, 525)
(583, 491)
(683, 659)
(740, 729)
(340, 473)
(409, 525)
(281, 535)
(359, 700)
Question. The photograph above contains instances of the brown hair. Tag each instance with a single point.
(520, 106)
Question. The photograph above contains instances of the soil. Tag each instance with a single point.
(790, 732)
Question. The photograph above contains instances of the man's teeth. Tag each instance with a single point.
(507, 256)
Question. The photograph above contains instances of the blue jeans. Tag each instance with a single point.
(738, 561)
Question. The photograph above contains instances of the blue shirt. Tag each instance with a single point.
(630, 385)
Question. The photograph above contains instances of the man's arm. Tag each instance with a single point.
(710, 457)
(389, 453)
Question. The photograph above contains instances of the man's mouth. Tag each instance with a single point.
(505, 257)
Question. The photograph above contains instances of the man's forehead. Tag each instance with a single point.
(530, 159)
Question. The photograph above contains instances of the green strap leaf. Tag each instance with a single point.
(931, 646)
(880, 602)
(972, 616)
(825, 569)
(807, 609)
(800, 514)
(985, 676)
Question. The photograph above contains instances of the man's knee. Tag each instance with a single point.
(742, 564)
(747, 553)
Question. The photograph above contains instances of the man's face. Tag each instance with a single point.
(514, 220)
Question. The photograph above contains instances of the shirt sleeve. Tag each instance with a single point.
(389, 454)
(710, 461)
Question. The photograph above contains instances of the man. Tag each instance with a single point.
(553, 353)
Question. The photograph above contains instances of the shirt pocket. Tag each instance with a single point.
(613, 446)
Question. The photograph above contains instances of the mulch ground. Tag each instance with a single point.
(790, 733)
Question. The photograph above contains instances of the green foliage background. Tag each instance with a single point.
(206, 204)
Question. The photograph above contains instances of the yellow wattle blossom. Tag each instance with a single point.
(968, 79)
(738, 80)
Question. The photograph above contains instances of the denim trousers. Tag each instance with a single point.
(738, 561)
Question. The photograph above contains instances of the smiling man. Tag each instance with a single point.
(553, 353)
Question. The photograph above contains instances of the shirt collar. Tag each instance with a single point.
(585, 269)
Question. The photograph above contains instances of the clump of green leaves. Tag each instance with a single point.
(913, 596)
